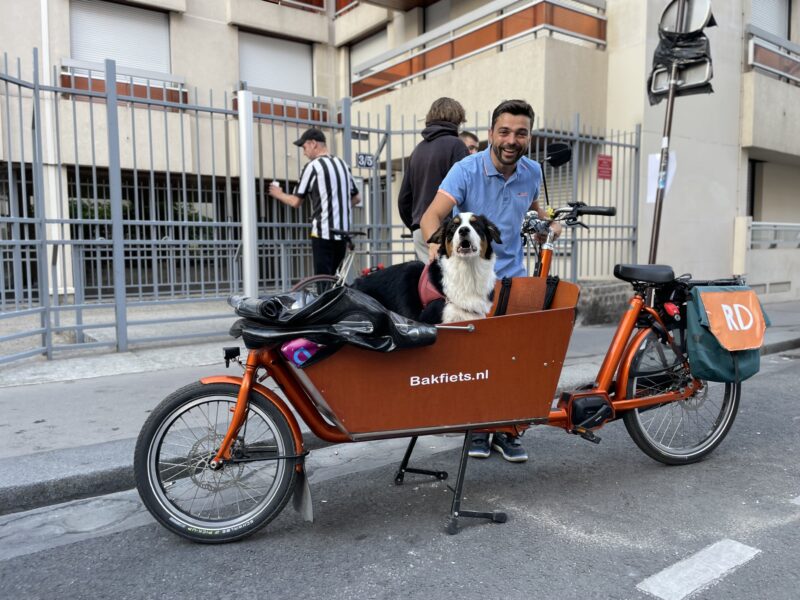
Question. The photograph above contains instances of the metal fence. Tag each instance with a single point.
(120, 205)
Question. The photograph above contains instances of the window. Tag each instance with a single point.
(275, 64)
(771, 16)
(134, 37)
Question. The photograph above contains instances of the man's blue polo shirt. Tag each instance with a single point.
(477, 187)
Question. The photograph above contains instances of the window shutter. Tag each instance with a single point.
(134, 37)
(274, 64)
(772, 16)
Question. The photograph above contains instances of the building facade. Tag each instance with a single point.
(733, 205)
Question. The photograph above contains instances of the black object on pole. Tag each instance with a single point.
(681, 66)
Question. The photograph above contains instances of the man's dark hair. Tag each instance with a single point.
(446, 109)
(468, 134)
(513, 107)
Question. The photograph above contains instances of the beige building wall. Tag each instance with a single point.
(710, 181)
(780, 184)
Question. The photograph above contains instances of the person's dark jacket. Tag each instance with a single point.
(430, 161)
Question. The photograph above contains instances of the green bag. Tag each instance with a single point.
(709, 358)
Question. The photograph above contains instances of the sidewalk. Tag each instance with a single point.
(69, 426)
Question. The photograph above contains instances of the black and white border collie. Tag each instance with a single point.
(462, 274)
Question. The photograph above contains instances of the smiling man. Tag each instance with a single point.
(501, 183)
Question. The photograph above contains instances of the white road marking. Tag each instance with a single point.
(698, 571)
(796, 501)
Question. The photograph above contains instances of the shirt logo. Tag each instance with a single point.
(523, 194)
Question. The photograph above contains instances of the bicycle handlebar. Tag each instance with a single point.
(577, 209)
(603, 211)
(342, 232)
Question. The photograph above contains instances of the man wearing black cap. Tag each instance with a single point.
(327, 182)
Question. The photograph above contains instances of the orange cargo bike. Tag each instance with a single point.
(220, 458)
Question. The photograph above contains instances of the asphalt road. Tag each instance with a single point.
(585, 521)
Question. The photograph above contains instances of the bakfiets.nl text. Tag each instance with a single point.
(434, 379)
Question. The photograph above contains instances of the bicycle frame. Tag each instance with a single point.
(358, 395)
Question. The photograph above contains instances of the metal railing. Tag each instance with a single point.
(765, 235)
(121, 216)
(310, 5)
(497, 23)
(773, 54)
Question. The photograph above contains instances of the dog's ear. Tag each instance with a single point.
(438, 235)
(494, 232)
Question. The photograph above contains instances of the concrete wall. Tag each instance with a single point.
(778, 195)
(774, 273)
(710, 182)
(770, 114)
(532, 70)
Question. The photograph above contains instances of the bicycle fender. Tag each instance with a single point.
(272, 397)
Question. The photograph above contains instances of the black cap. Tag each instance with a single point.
(310, 134)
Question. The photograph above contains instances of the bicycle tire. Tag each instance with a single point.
(684, 431)
(184, 494)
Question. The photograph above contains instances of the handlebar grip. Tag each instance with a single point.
(603, 211)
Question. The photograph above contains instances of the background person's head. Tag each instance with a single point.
(470, 141)
(312, 142)
(446, 109)
(510, 133)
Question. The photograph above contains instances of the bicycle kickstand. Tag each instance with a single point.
(404, 468)
(495, 516)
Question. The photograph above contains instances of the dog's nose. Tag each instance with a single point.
(463, 231)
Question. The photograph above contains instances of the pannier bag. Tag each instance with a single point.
(725, 330)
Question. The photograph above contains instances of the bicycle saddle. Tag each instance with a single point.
(644, 273)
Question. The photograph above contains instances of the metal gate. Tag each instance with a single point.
(121, 205)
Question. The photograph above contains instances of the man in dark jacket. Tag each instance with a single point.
(430, 161)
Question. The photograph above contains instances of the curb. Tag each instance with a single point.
(77, 486)
(59, 489)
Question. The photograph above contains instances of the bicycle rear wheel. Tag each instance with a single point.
(314, 285)
(176, 445)
(681, 432)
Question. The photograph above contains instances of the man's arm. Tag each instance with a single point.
(276, 192)
(441, 206)
(355, 199)
(404, 200)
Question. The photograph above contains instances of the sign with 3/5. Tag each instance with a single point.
(365, 160)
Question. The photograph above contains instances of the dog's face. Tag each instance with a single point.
(466, 236)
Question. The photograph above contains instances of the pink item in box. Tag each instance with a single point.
(299, 351)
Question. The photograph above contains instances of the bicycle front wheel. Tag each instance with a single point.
(176, 483)
(684, 431)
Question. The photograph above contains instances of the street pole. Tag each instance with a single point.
(663, 166)
(247, 194)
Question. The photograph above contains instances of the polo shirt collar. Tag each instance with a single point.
(490, 170)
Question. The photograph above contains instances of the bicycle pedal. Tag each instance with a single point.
(586, 434)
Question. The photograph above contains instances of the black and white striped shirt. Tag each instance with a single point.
(327, 181)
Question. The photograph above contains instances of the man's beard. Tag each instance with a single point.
(518, 150)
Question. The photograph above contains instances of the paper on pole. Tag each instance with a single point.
(653, 161)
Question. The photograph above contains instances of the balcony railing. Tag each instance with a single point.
(773, 54)
(311, 5)
(343, 6)
(268, 104)
(137, 83)
(476, 32)
(774, 235)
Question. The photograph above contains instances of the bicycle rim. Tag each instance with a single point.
(227, 499)
(683, 431)
(689, 429)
